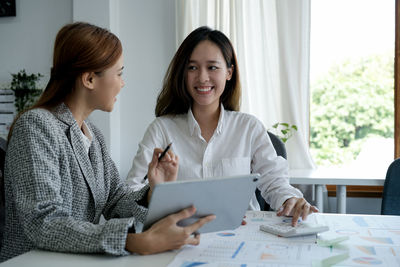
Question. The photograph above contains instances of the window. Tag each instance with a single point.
(352, 83)
(383, 24)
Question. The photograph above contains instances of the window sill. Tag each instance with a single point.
(358, 191)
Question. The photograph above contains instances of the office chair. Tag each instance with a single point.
(280, 151)
(3, 148)
(391, 190)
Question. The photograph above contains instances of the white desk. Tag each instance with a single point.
(383, 230)
(340, 177)
(38, 258)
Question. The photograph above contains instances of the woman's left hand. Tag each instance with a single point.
(165, 170)
(296, 207)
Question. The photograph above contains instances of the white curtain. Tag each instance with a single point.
(271, 39)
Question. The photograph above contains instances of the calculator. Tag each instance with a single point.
(286, 229)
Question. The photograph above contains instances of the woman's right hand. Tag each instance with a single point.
(166, 234)
(165, 170)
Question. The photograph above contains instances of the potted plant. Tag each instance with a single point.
(284, 130)
(25, 89)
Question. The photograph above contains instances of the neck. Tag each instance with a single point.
(79, 108)
(205, 116)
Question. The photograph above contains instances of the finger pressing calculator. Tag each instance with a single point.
(287, 230)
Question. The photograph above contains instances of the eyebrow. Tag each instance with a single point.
(209, 61)
(121, 68)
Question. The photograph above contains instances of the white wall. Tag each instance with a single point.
(26, 41)
(147, 31)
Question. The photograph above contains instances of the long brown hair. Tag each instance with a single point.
(79, 47)
(174, 97)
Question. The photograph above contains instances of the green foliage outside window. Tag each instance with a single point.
(354, 101)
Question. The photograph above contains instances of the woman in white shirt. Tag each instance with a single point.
(198, 111)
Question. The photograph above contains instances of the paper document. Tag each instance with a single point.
(248, 246)
(353, 240)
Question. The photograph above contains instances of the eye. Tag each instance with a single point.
(191, 67)
(120, 74)
(213, 68)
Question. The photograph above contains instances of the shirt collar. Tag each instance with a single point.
(221, 120)
(194, 126)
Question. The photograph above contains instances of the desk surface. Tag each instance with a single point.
(355, 226)
(37, 258)
(336, 176)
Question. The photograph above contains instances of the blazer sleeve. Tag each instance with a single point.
(46, 220)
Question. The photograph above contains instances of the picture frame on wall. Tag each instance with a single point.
(7, 8)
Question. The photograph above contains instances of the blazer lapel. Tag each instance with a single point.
(63, 113)
(96, 161)
(83, 160)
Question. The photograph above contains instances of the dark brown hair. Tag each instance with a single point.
(79, 47)
(174, 97)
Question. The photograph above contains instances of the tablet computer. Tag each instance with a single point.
(226, 197)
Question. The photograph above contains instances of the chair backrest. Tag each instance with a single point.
(280, 151)
(3, 148)
(391, 190)
(278, 144)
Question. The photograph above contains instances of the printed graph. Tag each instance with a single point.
(193, 264)
(360, 221)
(367, 261)
(378, 240)
(267, 256)
(226, 234)
(367, 250)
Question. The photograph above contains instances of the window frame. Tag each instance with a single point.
(397, 82)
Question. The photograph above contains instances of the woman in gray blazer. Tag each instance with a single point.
(59, 177)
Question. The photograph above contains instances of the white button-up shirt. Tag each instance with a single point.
(86, 135)
(239, 145)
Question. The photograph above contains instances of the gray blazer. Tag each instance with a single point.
(56, 192)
